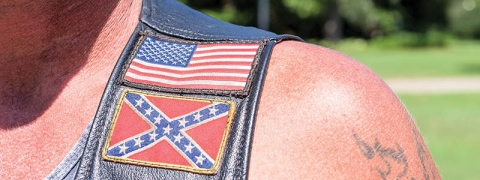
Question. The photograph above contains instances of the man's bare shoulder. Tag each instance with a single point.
(306, 74)
(324, 115)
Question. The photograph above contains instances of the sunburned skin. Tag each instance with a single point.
(322, 115)
(50, 95)
(326, 116)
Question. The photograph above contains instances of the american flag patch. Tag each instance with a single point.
(223, 66)
(169, 132)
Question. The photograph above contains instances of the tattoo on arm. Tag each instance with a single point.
(385, 153)
(397, 155)
(422, 154)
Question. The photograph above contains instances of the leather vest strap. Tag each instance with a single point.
(182, 99)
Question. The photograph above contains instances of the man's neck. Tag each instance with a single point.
(55, 60)
(45, 44)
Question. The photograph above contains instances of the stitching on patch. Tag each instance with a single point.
(130, 58)
(220, 153)
(254, 70)
(218, 92)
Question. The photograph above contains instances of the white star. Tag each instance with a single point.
(158, 119)
(139, 102)
(189, 148)
(199, 159)
(153, 136)
(138, 141)
(123, 148)
(167, 129)
(213, 110)
(148, 111)
(183, 122)
(178, 138)
(197, 117)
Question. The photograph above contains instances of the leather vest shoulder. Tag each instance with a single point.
(181, 101)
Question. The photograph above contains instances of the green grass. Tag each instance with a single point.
(461, 58)
(450, 124)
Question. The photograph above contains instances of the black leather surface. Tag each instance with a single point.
(178, 20)
(174, 19)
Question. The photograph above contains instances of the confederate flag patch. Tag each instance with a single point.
(170, 132)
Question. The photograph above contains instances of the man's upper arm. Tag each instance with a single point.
(323, 115)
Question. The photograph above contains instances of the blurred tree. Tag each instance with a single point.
(227, 10)
(335, 15)
(307, 18)
(421, 16)
(464, 18)
(336, 19)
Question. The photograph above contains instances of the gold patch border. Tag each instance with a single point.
(220, 154)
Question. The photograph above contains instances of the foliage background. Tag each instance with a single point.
(424, 22)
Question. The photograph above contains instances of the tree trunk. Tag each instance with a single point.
(333, 27)
(228, 3)
(263, 18)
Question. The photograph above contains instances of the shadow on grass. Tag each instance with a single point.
(471, 68)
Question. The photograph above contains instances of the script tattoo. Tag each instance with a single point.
(422, 154)
(385, 153)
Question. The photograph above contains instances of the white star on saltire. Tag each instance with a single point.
(189, 148)
(167, 129)
(123, 148)
(197, 117)
(153, 136)
(178, 138)
(213, 110)
(158, 119)
(200, 159)
(182, 122)
(138, 141)
(149, 111)
(139, 102)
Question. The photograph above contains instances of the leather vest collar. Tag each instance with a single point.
(130, 102)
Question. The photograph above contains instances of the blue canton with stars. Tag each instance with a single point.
(165, 53)
(171, 130)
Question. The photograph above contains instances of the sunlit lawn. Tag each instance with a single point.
(460, 59)
(450, 124)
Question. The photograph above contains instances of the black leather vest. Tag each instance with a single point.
(196, 112)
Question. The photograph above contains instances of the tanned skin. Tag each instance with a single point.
(326, 116)
(56, 58)
(322, 115)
